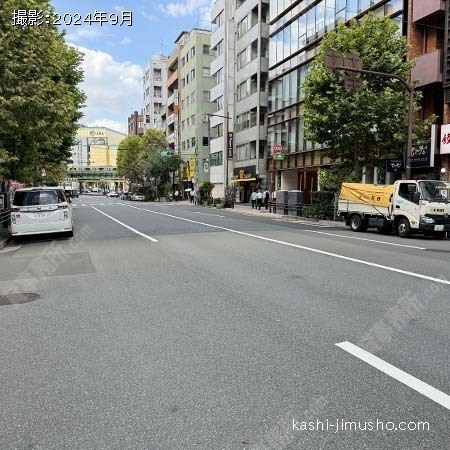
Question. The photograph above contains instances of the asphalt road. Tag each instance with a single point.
(169, 326)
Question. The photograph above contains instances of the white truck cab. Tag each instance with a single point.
(407, 206)
(422, 205)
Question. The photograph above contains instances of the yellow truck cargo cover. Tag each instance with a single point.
(368, 194)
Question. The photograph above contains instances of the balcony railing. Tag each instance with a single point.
(428, 69)
(426, 9)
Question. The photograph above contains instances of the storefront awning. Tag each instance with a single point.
(241, 180)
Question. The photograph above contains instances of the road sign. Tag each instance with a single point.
(277, 148)
(279, 156)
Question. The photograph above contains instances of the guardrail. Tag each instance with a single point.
(298, 209)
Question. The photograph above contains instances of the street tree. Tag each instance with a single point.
(361, 127)
(40, 101)
(130, 158)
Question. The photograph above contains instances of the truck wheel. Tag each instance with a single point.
(403, 228)
(440, 235)
(357, 223)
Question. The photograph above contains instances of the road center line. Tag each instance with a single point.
(414, 383)
(206, 214)
(146, 236)
(301, 247)
(365, 239)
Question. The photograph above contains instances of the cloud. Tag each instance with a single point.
(84, 34)
(121, 127)
(119, 8)
(125, 41)
(201, 8)
(113, 88)
(149, 17)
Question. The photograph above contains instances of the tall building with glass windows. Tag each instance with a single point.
(296, 29)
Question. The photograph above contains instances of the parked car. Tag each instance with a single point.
(138, 197)
(41, 210)
(113, 194)
(125, 196)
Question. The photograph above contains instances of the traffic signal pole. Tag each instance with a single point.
(410, 88)
(335, 61)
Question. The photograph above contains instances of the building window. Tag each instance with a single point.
(183, 82)
(206, 72)
(206, 96)
(192, 52)
(219, 48)
(193, 120)
(218, 20)
(188, 122)
(206, 49)
(219, 103)
(219, 76)
(216, 159)
(183, 62)
(187, 100)
(192, 97)
(205, 141)
(193, 142)
(187, 78)
(192, 74)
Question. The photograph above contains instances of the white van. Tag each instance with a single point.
(40, 210)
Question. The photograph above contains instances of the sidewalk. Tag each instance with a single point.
(246, 209)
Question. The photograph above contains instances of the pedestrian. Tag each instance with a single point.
(259, 199)
(191, 195)
(266, 198)
(253, 198)
(176, 195)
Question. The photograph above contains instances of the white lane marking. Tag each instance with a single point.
(302, 222)
(414, 383)
(146, 236)
(365, 239)
(206, 214)
(101, 204)
(309, 249)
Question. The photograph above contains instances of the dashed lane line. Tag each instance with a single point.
(408, 380)
(366, 239)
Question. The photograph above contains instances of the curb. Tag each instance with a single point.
(289, 218)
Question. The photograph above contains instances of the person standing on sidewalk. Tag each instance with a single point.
(259, 199)
(266, 198)
(253, 198)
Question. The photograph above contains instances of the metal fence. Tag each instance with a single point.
(316, 209)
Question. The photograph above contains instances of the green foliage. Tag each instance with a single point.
(205, 190)
(40, 102)
(54, 174)
(129, 160)
(320, 212)
(360, 127)
(331, 178)
(140, 157)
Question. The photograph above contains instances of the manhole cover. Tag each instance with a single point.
(18, 298)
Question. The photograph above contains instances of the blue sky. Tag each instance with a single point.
(116, 55)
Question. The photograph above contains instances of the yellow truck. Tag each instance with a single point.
(407, 206)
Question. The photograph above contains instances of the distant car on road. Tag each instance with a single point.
(41, 210)
(138, 197)
(113, 194)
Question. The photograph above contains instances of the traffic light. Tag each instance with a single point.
(335, 61)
